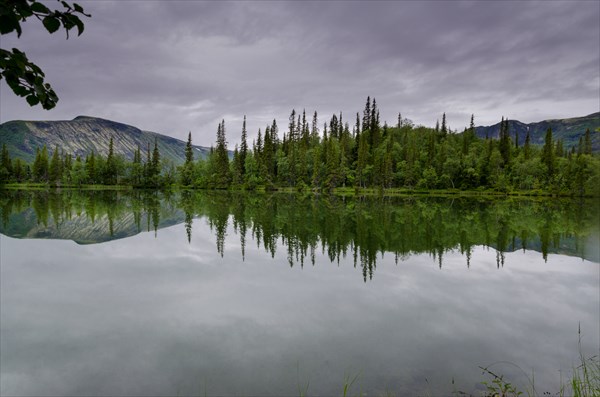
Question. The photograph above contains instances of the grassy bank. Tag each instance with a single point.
(45, 186)
(583, 382)
(339, 191)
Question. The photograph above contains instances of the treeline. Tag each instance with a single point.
(63, 169)
(364, 155)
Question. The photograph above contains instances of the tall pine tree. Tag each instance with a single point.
(187, 171)
(222, 159)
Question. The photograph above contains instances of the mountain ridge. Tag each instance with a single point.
(84, 134)
(568, 130)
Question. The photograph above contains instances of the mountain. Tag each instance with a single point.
(84, 134)
(567, 130)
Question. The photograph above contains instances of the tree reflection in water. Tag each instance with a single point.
(364, 227)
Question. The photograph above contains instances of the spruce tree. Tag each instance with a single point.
(587, 142)
(316, 170)
(189, 150)
(40, 166)
(362, 161)
(5, 160)
(222, 158)
(548, 154)
(291, 152)
(110, 176)
(504, 145)
(527, 146)
(444, 129)
(237, 178)
(55, 168)
(268, 156)
(188, 165)
(274, 134)
(305, 132)
(468, 136)
(314, 129)
(6, 168)
(333, 126)
(90, 168)
(292, 127)
(155, 166)
(560, 151)
(366, 121)
(78, 172)
(375, 129)
(243, 149)
(136, 168)
(258, 146)
(67, 166)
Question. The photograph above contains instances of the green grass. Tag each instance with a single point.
(584, 382)
(586, 376)
(338, 191)
(45, 186)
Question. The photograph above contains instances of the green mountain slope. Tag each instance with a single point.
(83, 135)
(567, 130)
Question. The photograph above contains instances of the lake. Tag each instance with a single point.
(131, 293)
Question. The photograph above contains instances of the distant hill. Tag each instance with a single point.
(84, 134)
(567, 130)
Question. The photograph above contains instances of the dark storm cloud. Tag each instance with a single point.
(177, 66)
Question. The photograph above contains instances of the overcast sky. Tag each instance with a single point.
(178, 66)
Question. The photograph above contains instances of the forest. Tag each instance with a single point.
(308, 155)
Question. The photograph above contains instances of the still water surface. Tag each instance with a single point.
(120, 294)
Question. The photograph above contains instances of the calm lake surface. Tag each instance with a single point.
(209, 293)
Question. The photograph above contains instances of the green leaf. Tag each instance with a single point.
(8, 24)
(51, 23)
(67, 21)
(21, 91)
(32, 100)
(29, 77)
(39, 8)
(80, 26)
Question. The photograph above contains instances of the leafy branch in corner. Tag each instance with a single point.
(24, 77)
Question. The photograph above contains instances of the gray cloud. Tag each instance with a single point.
(173, 67)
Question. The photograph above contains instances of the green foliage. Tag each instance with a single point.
(365, 226)
(498, 386)
(585, 381)
(222, 176)
(25, 78)
(40, 165)
(55, 168)
(400, 157)
(186, 173)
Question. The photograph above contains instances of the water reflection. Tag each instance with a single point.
(364, 228)
(201, 308)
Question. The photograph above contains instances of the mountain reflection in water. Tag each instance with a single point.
(361, 227)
